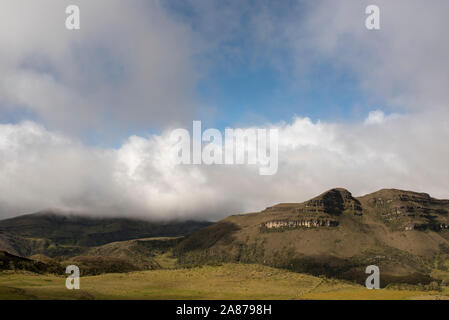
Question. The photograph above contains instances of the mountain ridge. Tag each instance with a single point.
(334, 234)
(55, 234)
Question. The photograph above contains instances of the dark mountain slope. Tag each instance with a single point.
(68, 235)
(13, 262)
(118, 257)
(141, 253)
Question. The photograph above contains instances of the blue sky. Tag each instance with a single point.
(231, 63)
(247, 83)
(254, 96)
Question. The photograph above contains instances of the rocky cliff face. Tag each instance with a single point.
(398, 209)
(321, 211)
(335, 202)
(407, 210)
(305, 223)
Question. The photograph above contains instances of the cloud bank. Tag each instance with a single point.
(405, 62)
(45, 169)
(129, 67)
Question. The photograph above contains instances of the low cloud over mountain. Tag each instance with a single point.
(42, 168)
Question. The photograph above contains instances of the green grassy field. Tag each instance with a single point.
(229, 281)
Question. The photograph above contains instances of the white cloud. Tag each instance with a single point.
(42, 169)
(378, 117)
(404, 63)
(374, 117)
(128, 67)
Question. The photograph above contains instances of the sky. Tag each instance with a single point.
(86, 115)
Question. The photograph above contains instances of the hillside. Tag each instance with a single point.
(335, 234)
(57, 235)
(144, 254)
(114, 257)
(228, 281)
(12, 262)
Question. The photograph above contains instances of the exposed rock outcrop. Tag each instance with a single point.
(307, 223)
(407, 210)
(334, 201)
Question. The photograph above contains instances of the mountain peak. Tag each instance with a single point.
(334, 191)
(334, 201)
(396, 195)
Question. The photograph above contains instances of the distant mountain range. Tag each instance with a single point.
(58, 235)
(404, 233)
